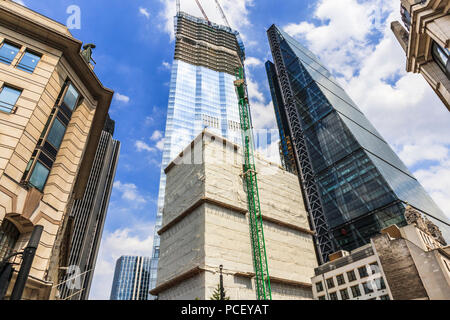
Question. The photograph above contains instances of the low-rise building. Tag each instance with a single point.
(408, 263)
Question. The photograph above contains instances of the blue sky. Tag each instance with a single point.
(134, 52)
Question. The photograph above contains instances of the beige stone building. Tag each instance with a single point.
(52, 111)
(426, 41)
(205, 225)
(408, 263)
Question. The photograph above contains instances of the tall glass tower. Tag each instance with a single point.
(202, 94)
(131, 279)
(353, 183)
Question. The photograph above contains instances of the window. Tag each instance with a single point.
(333, 296)
(39, 176)
(385, 297)
(8, 52)
(319, 286)
(8, 238)
(71, 97)
(363, 272)
(367, 287)
(322, 298)
(380, 283)
(351, 276)
(56, 133)
(29, 61)
(344, 294)
(355, 291)
(8, 98)
(44, 155)
(441, 56)
(340, 279)
(330, 283)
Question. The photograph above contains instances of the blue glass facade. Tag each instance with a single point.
(200, 97)
(363, 185)
(131, 279)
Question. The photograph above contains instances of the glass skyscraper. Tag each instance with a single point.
(353, 183)
(131, 279)
(202, 94)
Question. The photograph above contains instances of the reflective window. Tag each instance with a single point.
(39, 176)
(71, 97)
(8, 52)
(440, 55)
(368, 288)
(8, 98)
(363, 272)
(333, 296)
(29, 62)
(56, 134)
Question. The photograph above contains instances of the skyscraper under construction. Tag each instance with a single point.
(353, 182)
(202, 93)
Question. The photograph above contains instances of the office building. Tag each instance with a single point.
(206, 224)
(131, 279)
(202, 93)
(52, 111)
(426, 42)
(407, 263)
(353, 183)
(88, 218)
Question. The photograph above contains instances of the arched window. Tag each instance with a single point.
(8, 238)
(441, 56)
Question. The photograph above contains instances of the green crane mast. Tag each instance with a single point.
(263, 290)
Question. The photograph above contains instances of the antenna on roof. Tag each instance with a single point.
(178, 6)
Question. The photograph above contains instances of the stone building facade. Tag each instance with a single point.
(205, 225)
(426, 41)
(52, 112)
(408, 263)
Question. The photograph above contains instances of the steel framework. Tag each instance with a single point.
(323, 237)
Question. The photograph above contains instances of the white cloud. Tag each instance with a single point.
(157, 135)
(20, 2)
(401, 106)
(144, 12)
(236, 12)
(166, 65)
(160, 145)
(142, 146)
(121, 98)
(130, 192)
(137, 240)
(253, 62)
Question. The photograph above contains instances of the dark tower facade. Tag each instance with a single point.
(88, 217)
(353, 183)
